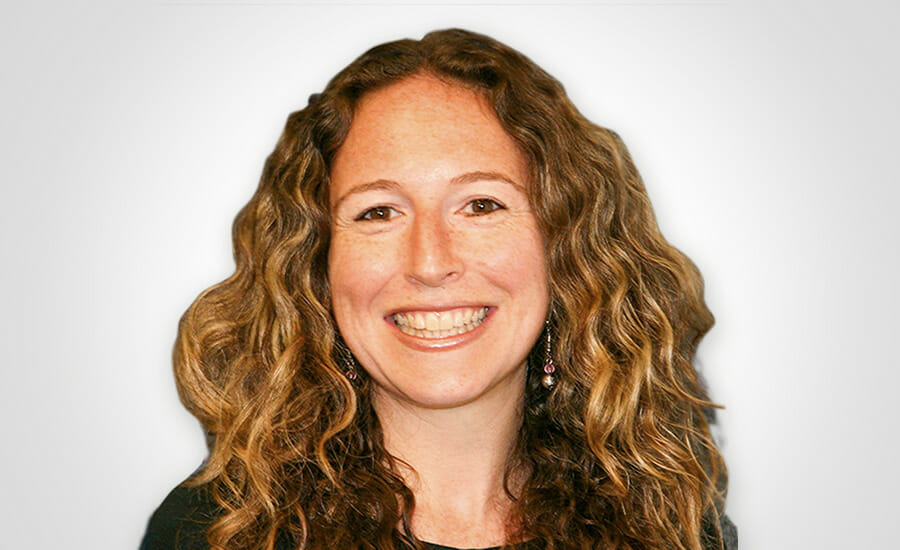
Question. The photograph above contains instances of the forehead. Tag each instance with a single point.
(424, 126)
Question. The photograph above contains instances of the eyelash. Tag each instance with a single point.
(383, 213)
(368, 215)
(495, 206)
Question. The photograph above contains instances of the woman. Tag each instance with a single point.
(453, 320)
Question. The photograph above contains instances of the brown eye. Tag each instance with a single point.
(378, 214)
(479, 207)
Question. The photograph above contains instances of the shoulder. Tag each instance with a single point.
(729, 533)
(181, 521)
(727, 530)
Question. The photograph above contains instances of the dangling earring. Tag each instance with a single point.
(548, 380)
(347, 359)
(350, 365)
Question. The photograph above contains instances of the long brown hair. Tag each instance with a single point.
(618, 455)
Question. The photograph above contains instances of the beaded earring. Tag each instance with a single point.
(350, 365)
(347, 359)
(548, 380)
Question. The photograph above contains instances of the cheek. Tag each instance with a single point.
(356, 270)
(516, 257)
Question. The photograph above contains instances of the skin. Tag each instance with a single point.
(430, 213)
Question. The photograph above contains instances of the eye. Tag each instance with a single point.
(480, 207)
(378, 214)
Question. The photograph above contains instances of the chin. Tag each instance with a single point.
(454, 393)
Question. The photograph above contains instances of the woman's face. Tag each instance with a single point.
(436, 266)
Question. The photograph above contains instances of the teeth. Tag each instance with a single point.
(458, 318)
(440, 324)
(465, 316)
(446, 322)
(432, 321)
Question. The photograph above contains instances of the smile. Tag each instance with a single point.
(439, 324)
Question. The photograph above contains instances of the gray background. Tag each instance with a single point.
(132, 134)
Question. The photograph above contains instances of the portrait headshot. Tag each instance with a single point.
(525, 276)
(453, 323)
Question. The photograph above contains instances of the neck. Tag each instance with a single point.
(456, 459)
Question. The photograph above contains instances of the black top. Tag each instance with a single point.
(181, 521)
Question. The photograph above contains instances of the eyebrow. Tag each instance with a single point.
(468, 177)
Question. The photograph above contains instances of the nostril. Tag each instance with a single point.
(432, 257)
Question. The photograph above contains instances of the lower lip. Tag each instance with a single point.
(440, 344)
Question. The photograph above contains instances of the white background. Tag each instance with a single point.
(766, 133)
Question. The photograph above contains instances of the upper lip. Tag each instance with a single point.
(437, 308)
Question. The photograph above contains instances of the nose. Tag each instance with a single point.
(432, 258)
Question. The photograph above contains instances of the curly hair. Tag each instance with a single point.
(619, 455)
